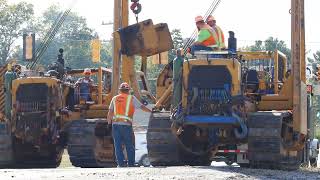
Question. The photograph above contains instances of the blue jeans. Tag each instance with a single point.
(199, 47)
(122, 134)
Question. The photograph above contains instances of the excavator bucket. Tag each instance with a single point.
(164, 38)
(145, 39)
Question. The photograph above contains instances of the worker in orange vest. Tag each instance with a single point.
(211, 21)
(207, 38)
(120, 115)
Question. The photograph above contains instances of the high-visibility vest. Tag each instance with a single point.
(220, 35)
(123, 108)
(212, 41)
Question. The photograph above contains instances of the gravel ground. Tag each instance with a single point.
(185, 172)
(218, 170)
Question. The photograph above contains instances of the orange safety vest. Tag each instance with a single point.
(123, 108)
(212, 41)
(218, 30)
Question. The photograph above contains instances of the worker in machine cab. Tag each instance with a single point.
(84, 84)
(207, 38)
(211, 21)
(17, 70)
(120, 115)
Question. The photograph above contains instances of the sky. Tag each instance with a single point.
(250, 19)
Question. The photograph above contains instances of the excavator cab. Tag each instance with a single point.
(99, 89)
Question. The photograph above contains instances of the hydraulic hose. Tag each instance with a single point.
(242, 131)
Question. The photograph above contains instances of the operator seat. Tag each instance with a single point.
(252, 81)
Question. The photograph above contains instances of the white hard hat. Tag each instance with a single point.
(210, 18)
(87, 71)
(198, 18)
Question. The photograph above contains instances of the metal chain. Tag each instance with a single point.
(137, 17)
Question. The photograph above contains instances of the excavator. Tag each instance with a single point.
(251, 104)
(194, 117)
(48, 113)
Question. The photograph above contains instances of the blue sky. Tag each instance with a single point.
(250, 19)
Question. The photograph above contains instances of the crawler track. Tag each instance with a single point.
(265, 143)
(164, 148)
(86, 149)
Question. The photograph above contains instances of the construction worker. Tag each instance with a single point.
(8, 78)
(84, 84)
(211, 21)
(17, 70)
(207, 38)
(120, 115)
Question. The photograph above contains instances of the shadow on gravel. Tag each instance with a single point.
(244, 173)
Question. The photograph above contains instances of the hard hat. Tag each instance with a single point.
(87, 71)
(210, 18)
(9, 67)
(124, 86)
(198, 18)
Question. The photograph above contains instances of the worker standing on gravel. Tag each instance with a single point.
(120, 115)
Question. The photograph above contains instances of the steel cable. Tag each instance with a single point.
(211, 9)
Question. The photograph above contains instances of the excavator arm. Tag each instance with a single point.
(148, 40)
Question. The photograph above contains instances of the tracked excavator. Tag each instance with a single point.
(48, 113)
(241, 110)
(251, 104)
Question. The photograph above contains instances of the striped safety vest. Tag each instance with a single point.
(218, 31)
(213, 40)
(123, 108)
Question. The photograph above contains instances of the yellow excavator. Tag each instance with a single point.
(237, 109)
(48, 113)
(248, 104)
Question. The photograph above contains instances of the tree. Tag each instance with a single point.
(12, 19)
(271, 44)
(74, 36)
(177, 42)
(316, 58)
(314, 62)
(155, 69)
(258, 46)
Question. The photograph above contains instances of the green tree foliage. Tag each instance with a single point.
(12, 19)
(316, 58)
(155, 69)
(258, 46)
(314, 62)
(74, 36)
(271, 44)
(177, 42)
